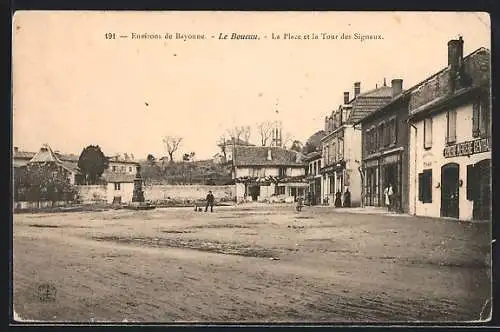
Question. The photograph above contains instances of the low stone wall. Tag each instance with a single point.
(92, 193)
(188, 192)
(22, 205)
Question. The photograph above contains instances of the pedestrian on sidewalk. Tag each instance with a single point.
(300, 203)
(338, 199)
(388, 195)
(347, 198)
(210, 202)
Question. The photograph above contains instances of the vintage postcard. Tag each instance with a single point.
(263, 167)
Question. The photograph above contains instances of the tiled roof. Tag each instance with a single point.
(383, 91)
(238, 142)
(118, 177)
(312, 156)
(45, 155)
(23, 155)
(67, 157)
(70, 165)
(257, 156)
(363, 105)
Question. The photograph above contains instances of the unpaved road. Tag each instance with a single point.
(252, 263)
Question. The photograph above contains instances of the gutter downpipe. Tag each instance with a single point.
(415, 167)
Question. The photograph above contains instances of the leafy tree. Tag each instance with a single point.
(309, 147)
(150, 158)
(43, 182)
(297, 146)
(92, 163)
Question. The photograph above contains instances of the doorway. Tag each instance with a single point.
(450, 190)
(482, 199)
(317, 191)
(254, 192)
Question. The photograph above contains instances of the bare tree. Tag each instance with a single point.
(235, 133)
(247, 132)
(172, 144)
(286, 139)
(223, 143)
(265, 130)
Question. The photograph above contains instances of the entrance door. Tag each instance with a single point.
(482, 200)
(254, 192)
(317, 189)
(449, 190)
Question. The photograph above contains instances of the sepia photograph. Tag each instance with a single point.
(226, 167)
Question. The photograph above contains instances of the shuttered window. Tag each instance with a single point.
(480, 119)
(428, 133)
(451, 126)
(381, 136)
(471, 183)
(425, 186)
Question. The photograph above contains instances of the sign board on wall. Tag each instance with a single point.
(467, 148)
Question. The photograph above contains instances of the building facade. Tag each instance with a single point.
(261, 173)
(450, 139)
(313, 167)
(341, 146)
(385, 151)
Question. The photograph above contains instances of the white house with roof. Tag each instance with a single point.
(450, 139)
(263, 172)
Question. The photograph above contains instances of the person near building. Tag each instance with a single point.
(388, 195)
(338, 199)
(210, 202)
(347, 198)
(300, 203)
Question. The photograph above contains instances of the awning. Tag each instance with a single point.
(294, 184)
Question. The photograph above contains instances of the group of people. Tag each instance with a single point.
(389, 197)
(347, 199)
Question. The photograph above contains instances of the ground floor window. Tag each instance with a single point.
(425, 186)
(279, 190)
(372, 187)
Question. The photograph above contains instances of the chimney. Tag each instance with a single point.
(455, 53)
(397, 87)
(269, 157)
(357, 89)
(346, 97)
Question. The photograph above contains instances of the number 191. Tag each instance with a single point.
(110, 35)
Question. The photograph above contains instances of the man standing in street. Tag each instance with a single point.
(210, 201)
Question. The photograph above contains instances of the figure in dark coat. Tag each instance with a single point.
(338, 199)
(210, 202)
(347, 198)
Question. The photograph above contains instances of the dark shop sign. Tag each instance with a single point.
(467, 148)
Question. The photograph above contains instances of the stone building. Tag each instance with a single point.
(450, 138)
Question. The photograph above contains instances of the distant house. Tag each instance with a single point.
(120, 164)
(47, 156)
(313, 166)
(120, 187)
(21, 158)
(262, 172)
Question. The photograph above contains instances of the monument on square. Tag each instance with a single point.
(138, 201)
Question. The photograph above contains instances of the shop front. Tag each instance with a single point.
(379, 172)
(334, 180)
(469, 199)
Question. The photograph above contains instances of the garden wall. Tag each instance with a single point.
(188, 192)
(92, 193)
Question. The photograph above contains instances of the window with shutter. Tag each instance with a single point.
(475, 119)
(484, 116)
(421, 187)
(451, 126)
(394, 131)
(471, 182)
(428, 133)
(425, 186)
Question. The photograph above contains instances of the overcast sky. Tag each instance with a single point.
(72, 87)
